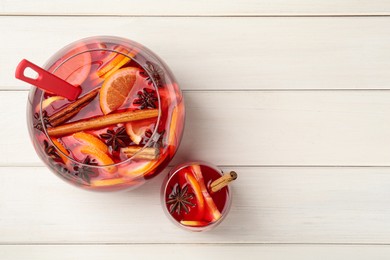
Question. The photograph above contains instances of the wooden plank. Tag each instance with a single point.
(271, 252)
(270, 205)
(254, 128)
(224, 53)
(201, 7)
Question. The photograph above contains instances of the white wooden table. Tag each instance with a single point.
(292, 94)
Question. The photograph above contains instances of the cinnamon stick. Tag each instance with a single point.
(148, 153)
(72, 109)
(101, 121)
(223, 181)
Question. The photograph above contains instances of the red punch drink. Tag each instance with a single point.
(196, 197)
(124, 127)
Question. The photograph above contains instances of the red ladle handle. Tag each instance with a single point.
(47, 81)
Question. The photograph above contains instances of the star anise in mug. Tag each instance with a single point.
(116, 138)
(51, 151)
(157, 139)
(60, 167)
(38, 124)
(84, 171)
(179, 199)
(147, 98)
(156, 73)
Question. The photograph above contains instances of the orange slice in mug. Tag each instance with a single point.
(47, 102)
(62, 148)
(107, 182)
(194, 223)
(213, 211)
(101, 157)
(137, 170)
(116, 88)
(197, 191)
(77, 68)
(136, 129)
(91, 140)
(115, 61)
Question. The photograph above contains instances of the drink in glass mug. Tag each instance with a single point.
(124, 127)
(195, 195)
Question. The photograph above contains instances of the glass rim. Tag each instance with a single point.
(146, 145)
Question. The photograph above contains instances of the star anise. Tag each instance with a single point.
(60, 167)
(157, 139)
(38, 124)
(85, 172)
(51, 151)
(146, 99)
(179, 199)
(116, 139)
(154, 71)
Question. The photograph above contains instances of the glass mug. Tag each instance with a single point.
(124, 128)
(196, 196)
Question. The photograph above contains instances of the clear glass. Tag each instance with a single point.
(112, 157)
(188, 201)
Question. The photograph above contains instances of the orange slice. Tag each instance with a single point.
(198, 192)
(47, 102)
(101, 157)
(194, 223)
(172, 129)
(137, 129)
(91, 140)
(115, 61)
(158, 163)
(209, 201)
(107, 182)
(62, 148)
(76, 69)
(138, 170)
(116, 88)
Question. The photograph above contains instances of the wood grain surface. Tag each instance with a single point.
(199, 251)
(293, 95)
(197, 8)
(224, 53)
(251, 128)
(299, 205)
